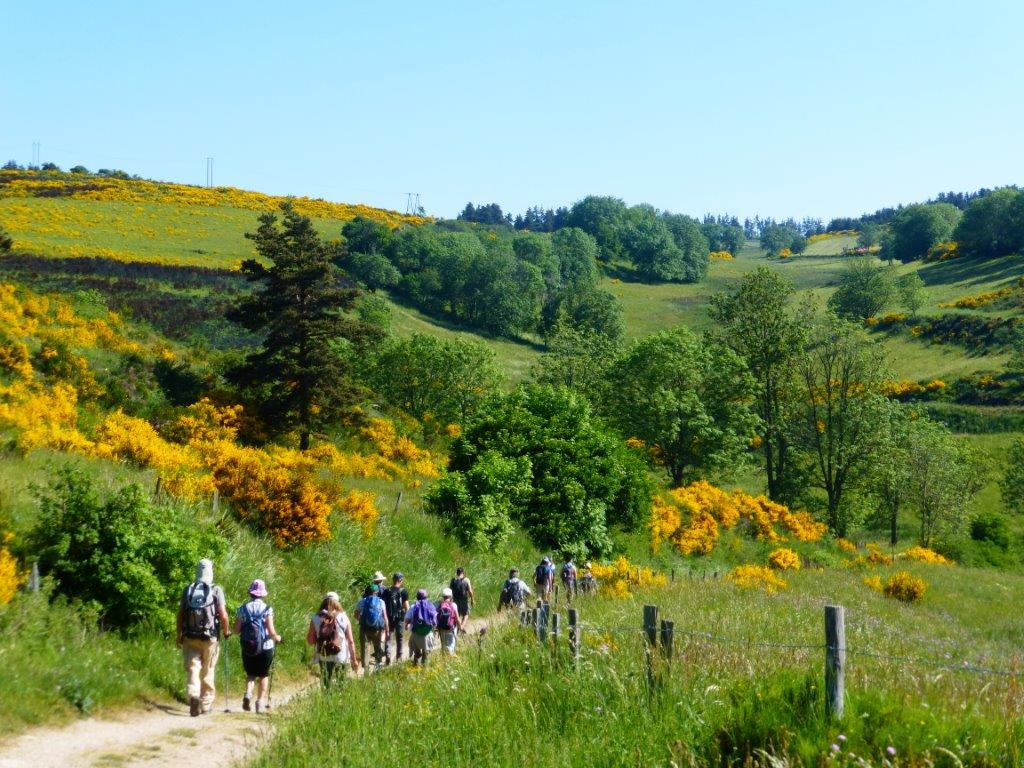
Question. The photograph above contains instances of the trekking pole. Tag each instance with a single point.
(227, 677)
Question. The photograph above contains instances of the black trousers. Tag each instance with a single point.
(397, 632)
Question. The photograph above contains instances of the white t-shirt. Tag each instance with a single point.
(343, 625)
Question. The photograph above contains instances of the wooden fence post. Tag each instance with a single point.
(651, 624)
(215, 504)
(544, 613)
(835, 659)
(651, 630)
(159, 487)
(667, 637)
(574, 634)
(34, 581)
(556, 622)
(398, 501)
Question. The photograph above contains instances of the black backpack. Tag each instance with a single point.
(460, 590)
(393, 603)
(200, 611)
(540, 575)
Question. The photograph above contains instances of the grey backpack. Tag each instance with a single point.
(200, 611)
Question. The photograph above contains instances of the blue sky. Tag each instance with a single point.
(772, 108)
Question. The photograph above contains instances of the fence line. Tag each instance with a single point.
(655, 631)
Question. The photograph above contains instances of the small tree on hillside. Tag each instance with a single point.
(910, 290)
(1011, 485)
(301, 376)
(756, 321)
(842, 414)
(689, 400)
(864, 289)
(6, 243)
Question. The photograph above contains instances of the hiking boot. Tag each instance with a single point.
(194, 707)
(246, 704)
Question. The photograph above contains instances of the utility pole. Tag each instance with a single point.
(209, 171)
(36, 152)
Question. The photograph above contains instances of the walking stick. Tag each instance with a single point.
(227, 675)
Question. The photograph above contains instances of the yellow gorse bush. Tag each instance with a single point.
(291, 494)
(925, 555)
(905, 586)
(693, 520)
(757, 577)
(978, 299)
(10, 577)
(783, 559)
(618, 577)
(721, 255)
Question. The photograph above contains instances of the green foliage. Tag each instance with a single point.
(6, 243)
(578, 360)
(993, 225)
(539, 456)
(365, 236)
(993, 528)
(375, 311)
(603, 219)
(756, 321)
(911, 293)
(119, 552)
(692, 399)
(668, 247)
(301, 376)
(372, 270)
(865, 288)
(723, 237)
(478, 505)
(576, 252)
(591, 311)
(840, 413)
(917, 228)
(869, 235)
(446, 378)
(1011, 485)
(777, 237)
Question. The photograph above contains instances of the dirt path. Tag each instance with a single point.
(162, 735)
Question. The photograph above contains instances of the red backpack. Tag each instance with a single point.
(446, 615)
(328, 639)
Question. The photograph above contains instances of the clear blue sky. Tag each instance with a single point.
(778, 108)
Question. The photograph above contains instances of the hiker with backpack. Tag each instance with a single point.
(568, 575)
(589, 583)
(202, 616)
(396, 602)
(447, 621)
(513, 592)
(254, 625)
(373, 624)
(330, 633)
(421, 620)
(544, 578)
(462, 594)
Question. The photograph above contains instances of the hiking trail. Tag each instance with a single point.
(162, 735)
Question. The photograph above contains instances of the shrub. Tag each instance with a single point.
(757, 577)
(925, 555)
(783, 559)
(10, 577)
(991, 527)
(118, 552)
(905, 586)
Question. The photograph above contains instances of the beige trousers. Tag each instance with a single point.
(200, 658)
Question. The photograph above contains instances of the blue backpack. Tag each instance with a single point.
(371, 612)
(254, 628)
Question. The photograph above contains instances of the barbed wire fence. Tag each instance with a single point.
(659, 635)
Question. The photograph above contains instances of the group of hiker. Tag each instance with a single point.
(383, 615)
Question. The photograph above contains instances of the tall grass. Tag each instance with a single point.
(727, 699)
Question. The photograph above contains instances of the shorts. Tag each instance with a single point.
(463, 609)
(258, 665)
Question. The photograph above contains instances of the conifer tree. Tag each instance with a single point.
(301, 376)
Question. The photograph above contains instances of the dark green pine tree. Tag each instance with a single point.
(301, 376)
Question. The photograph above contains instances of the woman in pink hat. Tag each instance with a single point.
(254, 624)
